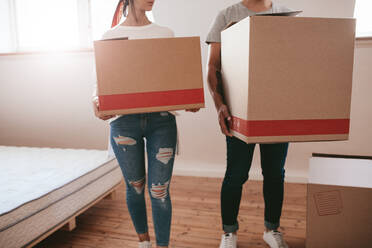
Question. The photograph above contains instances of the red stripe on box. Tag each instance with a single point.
(290, 127)
(151, 99)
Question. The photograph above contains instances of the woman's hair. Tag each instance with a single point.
(121, 9)
(126, 4)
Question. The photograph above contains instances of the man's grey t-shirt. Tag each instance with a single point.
(236, 13)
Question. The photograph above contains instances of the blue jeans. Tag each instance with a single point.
(239, 159)
(128, 135)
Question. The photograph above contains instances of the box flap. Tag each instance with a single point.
(325, 155)
(289, 13)
(120, 38)
(350, 172)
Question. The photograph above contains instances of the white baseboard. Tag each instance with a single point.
(183, 168)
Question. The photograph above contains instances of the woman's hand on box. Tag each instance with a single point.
(194, 110)
(98, 114)
(224, 118)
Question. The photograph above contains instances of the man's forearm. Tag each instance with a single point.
(215, 87)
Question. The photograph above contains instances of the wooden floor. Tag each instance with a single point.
(196, 218)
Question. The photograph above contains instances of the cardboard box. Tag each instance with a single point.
(289, 78)
(149, 75)
(339, 202)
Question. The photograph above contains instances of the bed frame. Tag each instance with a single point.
(70, 223)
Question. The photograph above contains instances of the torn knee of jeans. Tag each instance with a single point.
(164, 155)
(138, 185)
(159, 191)
(121, 140)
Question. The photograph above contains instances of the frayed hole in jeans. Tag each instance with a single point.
(159, 191)
(121, 140)
(138, 185)
(164, 155)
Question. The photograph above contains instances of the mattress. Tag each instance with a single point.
(42, 187)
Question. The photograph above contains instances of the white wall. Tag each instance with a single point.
(45, 99)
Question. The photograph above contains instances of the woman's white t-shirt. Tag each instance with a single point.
(150, 31)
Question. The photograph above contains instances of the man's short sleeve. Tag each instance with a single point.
(218, 25)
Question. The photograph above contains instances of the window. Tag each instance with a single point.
(47, 24)
(364, 18)
(29, 25)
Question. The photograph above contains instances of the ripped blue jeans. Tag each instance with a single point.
(128, 135)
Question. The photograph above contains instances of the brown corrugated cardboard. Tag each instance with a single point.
(149, 75)
(339, 202)
(289, 78)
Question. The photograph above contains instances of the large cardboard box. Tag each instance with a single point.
(339, 202)
(289, 78)
(149, 75)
